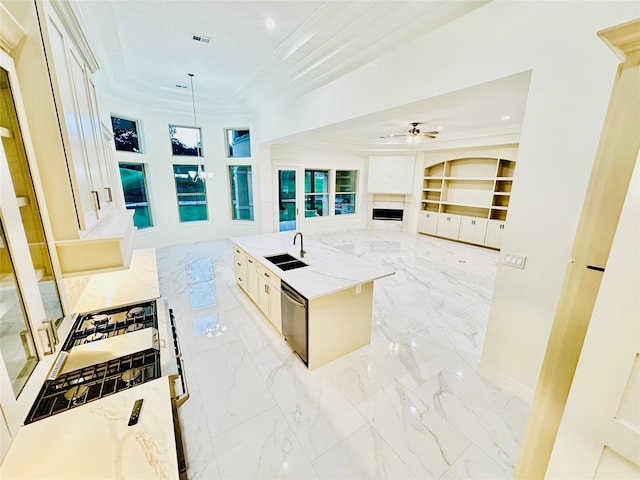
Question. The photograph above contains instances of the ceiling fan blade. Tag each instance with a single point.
(394, 135)
(435, 132)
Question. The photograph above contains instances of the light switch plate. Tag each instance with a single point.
(514, 260)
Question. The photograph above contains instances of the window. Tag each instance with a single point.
(241, 193)
(186, 141)
(125, 134)
(346, 191)
(238, 143)
(191, 193)
(134, 185)
(316, 189)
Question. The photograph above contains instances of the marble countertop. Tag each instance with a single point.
(123, 287)
(94, 441)
(330, 270)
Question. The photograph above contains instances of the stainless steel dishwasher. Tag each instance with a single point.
(295, 320)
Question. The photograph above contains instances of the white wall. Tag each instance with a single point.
(572, 74)
(391, 174)
(158, 160)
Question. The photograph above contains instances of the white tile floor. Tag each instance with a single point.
(409, 405)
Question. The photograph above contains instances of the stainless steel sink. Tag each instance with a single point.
(284, 261)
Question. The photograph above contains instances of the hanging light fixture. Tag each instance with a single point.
(200, 174)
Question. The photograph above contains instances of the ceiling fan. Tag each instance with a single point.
(414, 135)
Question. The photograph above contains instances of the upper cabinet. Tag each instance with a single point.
(92, 231)
(467, 199)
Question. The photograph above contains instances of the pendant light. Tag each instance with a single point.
(200, 174)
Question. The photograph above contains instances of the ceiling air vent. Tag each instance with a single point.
(201, 38)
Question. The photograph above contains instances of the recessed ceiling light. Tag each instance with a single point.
(504, 118)
(270, 24)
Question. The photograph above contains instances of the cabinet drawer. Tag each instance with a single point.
(241, 277)
(448, 226)
(268, 276)
(239, 257)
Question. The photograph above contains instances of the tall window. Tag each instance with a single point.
(238, 143)
(125, 134)
(241, 192)
(191, 192)
(185, 141)
(346, 181)
(134, 184)
(316, 189)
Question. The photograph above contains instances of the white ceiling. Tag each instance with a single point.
(146, 48)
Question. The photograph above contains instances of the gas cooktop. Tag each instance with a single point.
(84, 385)
(91, 327)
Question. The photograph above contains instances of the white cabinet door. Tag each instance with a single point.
(427, 222)
(252, 279)
(264, 299)
(448, 226)
(80, 176)
(495, 230)
(473, 230)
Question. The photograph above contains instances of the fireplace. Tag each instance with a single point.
(394, 214)
(389, 211)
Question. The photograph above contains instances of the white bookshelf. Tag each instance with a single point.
(467, 199)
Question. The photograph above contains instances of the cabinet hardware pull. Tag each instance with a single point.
(54, 333)
(108, 189)
(96, 196)
(239, 279)
(266, 275)
(50, 344)
(239, 264)
(250, 261)
(27, 344)
(593, 267)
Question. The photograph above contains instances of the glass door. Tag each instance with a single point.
(288, 201)
(30, 302)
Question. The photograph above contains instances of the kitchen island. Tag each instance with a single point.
(338, 288)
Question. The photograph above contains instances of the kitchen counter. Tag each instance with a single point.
(94, 441)
(123, 287)
(330, 270)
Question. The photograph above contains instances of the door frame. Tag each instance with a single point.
(299, 200)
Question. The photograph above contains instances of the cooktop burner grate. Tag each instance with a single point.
(91, 327)
(87, 384)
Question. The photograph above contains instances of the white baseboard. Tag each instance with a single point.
(506, 383)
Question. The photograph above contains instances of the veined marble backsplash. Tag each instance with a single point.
(74, 287)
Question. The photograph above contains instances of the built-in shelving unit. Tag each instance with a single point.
(467, 199)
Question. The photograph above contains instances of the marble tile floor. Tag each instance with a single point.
(409, 405)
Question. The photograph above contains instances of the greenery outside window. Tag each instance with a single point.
(134, 185)
(241, 192)
(125, 134)
(238, 142)
(185, 141)
(191, 192)
(316, 189)
(346, 181)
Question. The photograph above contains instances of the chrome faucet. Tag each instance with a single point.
(302, 252)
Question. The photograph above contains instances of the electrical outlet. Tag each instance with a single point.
(514, 260)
